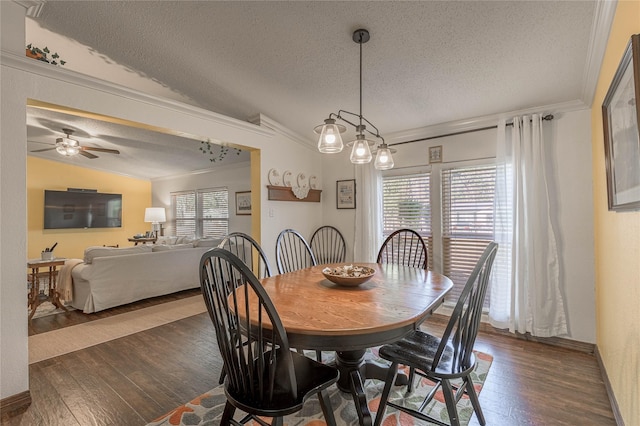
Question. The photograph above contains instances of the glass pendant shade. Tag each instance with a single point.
(330, 141)
(361, 153)
(384, 160)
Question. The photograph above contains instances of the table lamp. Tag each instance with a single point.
(155, 215)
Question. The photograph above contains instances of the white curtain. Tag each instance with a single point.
(368, 215)
(525, 289)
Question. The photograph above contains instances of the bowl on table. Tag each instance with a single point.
(348, 275)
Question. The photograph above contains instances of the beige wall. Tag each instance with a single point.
(45, 174)
(617, 242)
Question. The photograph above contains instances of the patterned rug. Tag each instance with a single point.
(207, 408)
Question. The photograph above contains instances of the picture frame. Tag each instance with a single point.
(620, 118)
(346, 194)
(435, 154)
(243, 203)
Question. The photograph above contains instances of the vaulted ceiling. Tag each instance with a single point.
(428, 62)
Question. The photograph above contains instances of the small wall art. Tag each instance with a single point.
(346, 194)
(243, 203)
(435, 154)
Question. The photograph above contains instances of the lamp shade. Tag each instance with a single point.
(155, 215)
(330, 141)
(361, 153)
(384, 160)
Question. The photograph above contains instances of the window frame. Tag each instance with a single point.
(199, 218)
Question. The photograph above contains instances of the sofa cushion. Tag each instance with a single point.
(166, 240)
(91, 253)
(161, 247)
(207, 242)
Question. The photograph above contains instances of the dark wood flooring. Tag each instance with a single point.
(135, 379)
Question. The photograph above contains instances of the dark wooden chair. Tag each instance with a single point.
(249, 251)
(404, 247)
(328, 246)
(448, 357)
(293, 252)
(265, 378)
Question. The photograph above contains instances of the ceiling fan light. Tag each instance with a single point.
(72, 142)
(61, 149)
(361, 153)
(384, 159)
(72, 150)
(330, 141)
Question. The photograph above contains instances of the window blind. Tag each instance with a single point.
(467, 221)
(202, 213)
(213, 205)
(406, 204)
(184, 213)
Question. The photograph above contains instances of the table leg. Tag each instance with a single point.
(354, 370)
(54, 296)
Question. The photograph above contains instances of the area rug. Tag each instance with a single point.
(69, 339)
(207, 408)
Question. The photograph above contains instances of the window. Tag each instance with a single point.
(467, 221)
(406, 204)
(201, 213)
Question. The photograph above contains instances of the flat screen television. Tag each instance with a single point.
(82, 209)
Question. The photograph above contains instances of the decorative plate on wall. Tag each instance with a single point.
(274, 177)
(313, 182)
(286, 178)
(301, 179)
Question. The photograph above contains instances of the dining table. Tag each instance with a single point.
(323, 316)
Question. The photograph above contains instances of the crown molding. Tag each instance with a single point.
(600, 30)
(61, 74)
(264, 121)
(33, 7)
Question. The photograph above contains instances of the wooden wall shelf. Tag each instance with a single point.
(284, 193)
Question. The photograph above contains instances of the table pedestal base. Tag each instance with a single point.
(354, 370)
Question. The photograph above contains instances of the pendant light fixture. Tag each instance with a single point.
(330, 141)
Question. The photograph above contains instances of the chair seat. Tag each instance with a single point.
(418, 350)
(311, 377)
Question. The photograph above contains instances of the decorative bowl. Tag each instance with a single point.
(349, 275)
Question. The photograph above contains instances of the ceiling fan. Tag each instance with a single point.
(69, 147)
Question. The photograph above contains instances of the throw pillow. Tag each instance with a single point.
(208, 242)
(157, 248)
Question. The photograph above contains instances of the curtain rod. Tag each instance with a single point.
(547, 117)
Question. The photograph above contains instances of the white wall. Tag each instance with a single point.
(571, 200)
(235, 177)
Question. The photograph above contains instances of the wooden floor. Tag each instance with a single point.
(135, 379)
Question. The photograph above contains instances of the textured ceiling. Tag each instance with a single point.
(426, 63)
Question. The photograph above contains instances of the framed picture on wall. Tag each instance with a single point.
(435, 154)
(243, 203)
(346, 194)
(620, 117)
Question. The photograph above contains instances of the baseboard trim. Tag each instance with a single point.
(607, 384)
(553, 341)
(14, 405)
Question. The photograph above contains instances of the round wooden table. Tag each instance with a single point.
(320, 315)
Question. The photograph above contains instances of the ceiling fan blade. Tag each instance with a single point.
(45, 149)
(88, 154)
(91, 148)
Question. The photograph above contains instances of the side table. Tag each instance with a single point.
(37, 296)
(142, 240)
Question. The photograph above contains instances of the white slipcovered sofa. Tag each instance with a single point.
(111, 277)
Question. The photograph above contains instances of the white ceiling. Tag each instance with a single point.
(428, 62)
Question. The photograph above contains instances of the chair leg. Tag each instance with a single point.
(412, 374)
(223, 374)
(475, 402)
(319, 356)
(227, 415)
(277, 421)
(389, 381)
(327, 409)
(451, 402)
